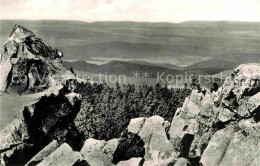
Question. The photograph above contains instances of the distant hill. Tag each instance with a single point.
(236, 42)
(166, 65)
(215, 64)
(119, 67)
(227, 24)
(129, 68)
(222, 75)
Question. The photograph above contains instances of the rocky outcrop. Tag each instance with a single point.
(191, 126)
(27, 63)
(221, 128)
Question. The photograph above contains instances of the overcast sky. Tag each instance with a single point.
(132, 10)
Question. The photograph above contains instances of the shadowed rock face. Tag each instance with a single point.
(130, 145)
(51, 115)
(28, 63)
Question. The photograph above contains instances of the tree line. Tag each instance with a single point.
(106, 110)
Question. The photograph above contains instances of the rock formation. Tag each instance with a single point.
(27, 63)
(223, 127)
(97, 152)
(158, 148)
(51, 118)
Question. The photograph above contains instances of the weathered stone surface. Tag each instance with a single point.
(10, 136)
(190, 123)
(254, 103)
(232, 146)
(99, 152)
(244, 81)
(225, 115)
(63, 156)
(158, 148)
(5, 68)
(131, 162)
(136, 125)
(182, 162)
(43, 153)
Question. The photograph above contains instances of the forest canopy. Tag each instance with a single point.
(106, 110)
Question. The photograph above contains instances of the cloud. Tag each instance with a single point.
(133, 10)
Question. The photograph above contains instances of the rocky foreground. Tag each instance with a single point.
(218, 129)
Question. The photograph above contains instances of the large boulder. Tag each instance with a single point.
(234, 145)
(63, 156)
(153, 131)
(99, 152)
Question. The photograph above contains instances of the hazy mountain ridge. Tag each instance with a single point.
(227, 41)
(212, 63)
(130, 67)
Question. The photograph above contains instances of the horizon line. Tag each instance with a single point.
(239, 21)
